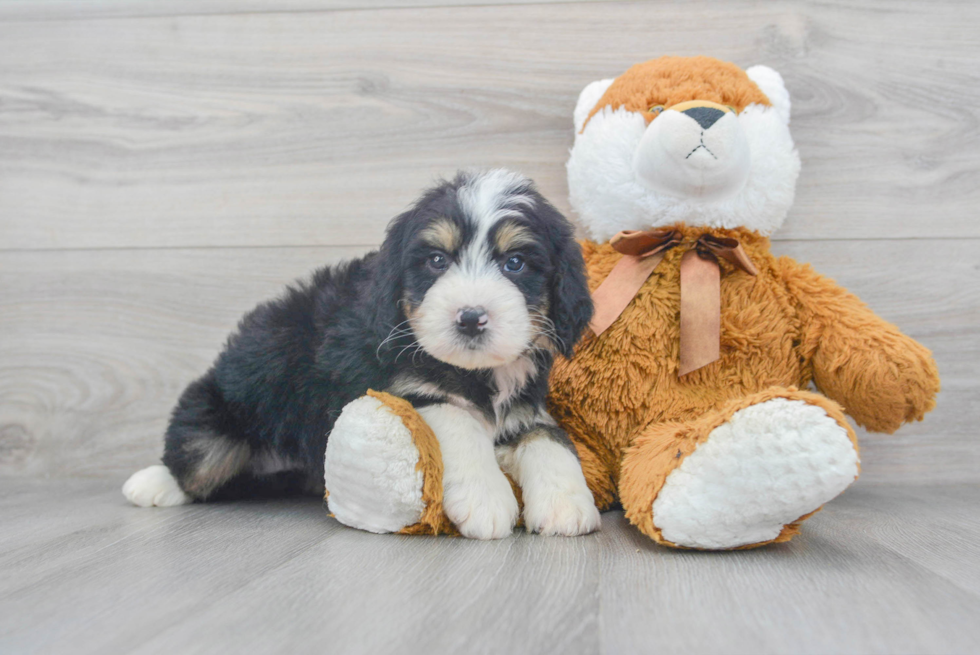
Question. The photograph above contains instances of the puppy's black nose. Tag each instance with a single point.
(471, 321)
(705, 116)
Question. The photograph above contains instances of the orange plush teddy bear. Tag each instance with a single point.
(688, 401)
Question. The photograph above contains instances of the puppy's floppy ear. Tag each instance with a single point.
(386, 292)
(571, 302)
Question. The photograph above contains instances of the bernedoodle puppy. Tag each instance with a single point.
(472, 293)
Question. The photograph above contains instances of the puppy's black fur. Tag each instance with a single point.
(257, 422)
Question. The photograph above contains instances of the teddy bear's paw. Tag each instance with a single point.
(370, 469)
(154, 486)
(558, 514)
(768, 466)
(481, 507)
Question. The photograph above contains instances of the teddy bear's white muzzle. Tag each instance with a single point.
(697, 153)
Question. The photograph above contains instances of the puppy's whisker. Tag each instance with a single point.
(549, 333)
(414, 344)
(544, 326)
(396, 333)
(415, 352)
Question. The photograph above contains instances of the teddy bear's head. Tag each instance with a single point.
(683, 139)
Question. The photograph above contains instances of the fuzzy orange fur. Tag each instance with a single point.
(670, 80)
(623, 404)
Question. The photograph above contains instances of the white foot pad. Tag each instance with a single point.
(767, 466)
(557, 500)
(369, 469)
(483, 507)
(567, 514)
(154, 486)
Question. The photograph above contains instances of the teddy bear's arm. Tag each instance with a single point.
(881, 377)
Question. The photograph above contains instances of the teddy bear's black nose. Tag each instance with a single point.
(705, 116)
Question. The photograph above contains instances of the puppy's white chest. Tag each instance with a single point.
(509, 380)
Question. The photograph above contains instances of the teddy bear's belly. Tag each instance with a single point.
(627, 377)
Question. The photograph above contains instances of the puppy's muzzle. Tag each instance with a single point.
(471, 321)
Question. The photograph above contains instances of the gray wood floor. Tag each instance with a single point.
(881, 570)
(166, 165)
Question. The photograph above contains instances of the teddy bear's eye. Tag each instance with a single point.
(656, 109)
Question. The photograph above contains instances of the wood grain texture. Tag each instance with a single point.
(860, 579)
(279, 576)
(47, 10)
(314, 128)
(883, 569)
(101, 343)
(96, 346)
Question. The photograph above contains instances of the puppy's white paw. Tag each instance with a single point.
(483, 508)
(154, 486)
(557, 514)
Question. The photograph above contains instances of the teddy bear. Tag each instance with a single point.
(688, 402)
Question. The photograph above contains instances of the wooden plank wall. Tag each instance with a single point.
(164, 166)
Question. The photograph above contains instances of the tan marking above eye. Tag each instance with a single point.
(442, 234)
(512, 235)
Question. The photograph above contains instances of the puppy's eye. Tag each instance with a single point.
(656, 109)
(438, 261)
(514, 264)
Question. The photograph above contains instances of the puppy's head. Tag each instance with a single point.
(483, 269)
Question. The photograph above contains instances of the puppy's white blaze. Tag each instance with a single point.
(508, 330)
(477, 496)
(490, 196)
(557, 501)
(487, 198)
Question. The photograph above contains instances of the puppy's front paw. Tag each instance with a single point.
(154, 486)
(563, 514)
(482, 509)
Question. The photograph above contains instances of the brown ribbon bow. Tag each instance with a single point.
(700, 286)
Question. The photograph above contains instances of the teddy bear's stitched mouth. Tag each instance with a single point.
(699, 146)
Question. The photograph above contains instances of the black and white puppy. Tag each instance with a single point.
(460, 312)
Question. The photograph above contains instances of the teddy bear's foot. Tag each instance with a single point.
(750, 479)
(371, 469)
(769, 465)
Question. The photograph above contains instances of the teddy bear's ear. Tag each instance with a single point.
(772, 85)
(586, 101)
